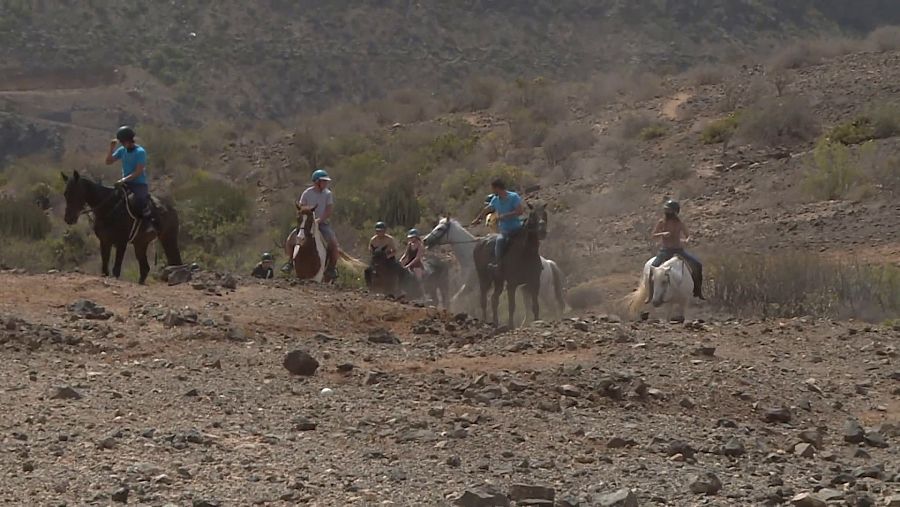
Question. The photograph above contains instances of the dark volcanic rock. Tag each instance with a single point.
(853, 432)
(66, 393)
(383, 336)
(705, 484)
(520, 492)
(482, 497)
(299, 362)
(777, 415)
(621, 498)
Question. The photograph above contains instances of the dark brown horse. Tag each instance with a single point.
(521, 266)
(114, 225)
(384, 273)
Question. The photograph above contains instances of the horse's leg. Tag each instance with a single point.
(105, 248)
(495, 300)
(534, 292)
(140, 252)
(482, 296)
(511, 307)
(120, 256)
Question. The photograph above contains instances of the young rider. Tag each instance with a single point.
(319, 196)
(413, 258)
(382, 239)
(134, 171)
(672, 234)
(264, 267)
(508, 208)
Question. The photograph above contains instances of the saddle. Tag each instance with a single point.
(132, 209)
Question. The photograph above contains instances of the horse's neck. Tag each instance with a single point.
(96, 194)
(463, 243)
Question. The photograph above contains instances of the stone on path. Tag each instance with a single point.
(299, 362)
(808, 500)
(482, 497)
(705, 483)
(66, 393)
(853, 432)
(519, 492)
(621, 498)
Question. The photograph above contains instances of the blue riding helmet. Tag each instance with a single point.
(379, 226)
(320, 174)
(672, 206)
(413, 233)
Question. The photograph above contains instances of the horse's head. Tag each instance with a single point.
(76, 196)
(306, 216)
(537, 220)
(438, 235)
(379, 256)
(661, 278)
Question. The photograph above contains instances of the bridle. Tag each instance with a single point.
(443, 233)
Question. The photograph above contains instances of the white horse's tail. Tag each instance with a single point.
(636, 299)
(558, 286)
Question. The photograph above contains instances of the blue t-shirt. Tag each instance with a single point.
(507, 205)
(130, 161)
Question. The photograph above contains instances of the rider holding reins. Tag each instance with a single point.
(672, 233)
(320, 198)
(509, 208)
(134, 171)
(382, 239)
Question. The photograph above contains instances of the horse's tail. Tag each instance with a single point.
(170, 241)
(351, 261)
(635, 300)
(558, 286)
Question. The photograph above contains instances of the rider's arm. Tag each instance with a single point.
(420, 254)
(138, 170)
(519, 211)
(480, 217)
(113, 154)
(685, 234)
(658, 230)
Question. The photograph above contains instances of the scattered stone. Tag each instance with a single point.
(569, 390)
(304, 424)
(705, 484)
(777, 415)
(384, 337)
(205, 503)
(704, 351)
(482, 497)
(853, 432)
(299, 362)
(687, 403)
(876, 439)
(618, 443)
(682, 448)
(374, 377)
(437, 412)
(734, 448)
(66, 393)
(621, 498)
(520, 492)
(345, 367)
(805, 450)
(120, 495)
(87, 309)
(828, 494)
(807, 500)
(813, 437)
(176, 275)
(229, 282)
(892, 501)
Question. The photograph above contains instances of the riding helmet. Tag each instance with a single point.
(673, 206)
(320, 174)
(413, 233)
(125, 134)
(267, 257)
(379, 226)
(488, 199)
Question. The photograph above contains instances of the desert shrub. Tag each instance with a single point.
(674, 169)
(564, 140)
(214, 213)
(526, 130)
(834, 171)
(74, 247)
(168, 149)
(798, 284)
(477, 94)
(398, 205)
(620, 150)
(632, 126)
(655, 131)
(541, 99)
(781, 79)
(706, 74)
(721, 130)
(22, 218)
(879, 122)
(782, 121)
(886, 38)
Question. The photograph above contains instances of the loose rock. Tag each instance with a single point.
(705, 484)
(853, 432)
(299, 362)
(621, 498)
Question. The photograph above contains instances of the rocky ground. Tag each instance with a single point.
(116, 393)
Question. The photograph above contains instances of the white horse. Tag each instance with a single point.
(450, 232)
(672, 285)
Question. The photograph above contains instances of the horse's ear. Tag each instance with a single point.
(64, 177)
(76, 176)
(529, 205)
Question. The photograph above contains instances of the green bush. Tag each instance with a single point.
(783, 121)
(834, 172)
(721, 130)
(22, 218)
(527, 131)
(73, 248)
(564, 140)
(880, 122)
(215, 213)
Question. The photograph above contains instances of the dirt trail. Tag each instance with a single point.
(671, 106)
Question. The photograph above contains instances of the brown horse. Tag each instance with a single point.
(115, 227)
(310, 253)
(521, 266)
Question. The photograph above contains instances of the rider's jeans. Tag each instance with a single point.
(141, 193)
(500, 246)
(667, 253)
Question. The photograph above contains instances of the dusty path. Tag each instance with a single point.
(205, 412)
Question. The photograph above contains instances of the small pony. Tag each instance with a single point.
(672, 285)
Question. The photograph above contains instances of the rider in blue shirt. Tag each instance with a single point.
(509, 209)
(134, 170)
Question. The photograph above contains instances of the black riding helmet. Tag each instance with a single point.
(672, 206)
(125, 134)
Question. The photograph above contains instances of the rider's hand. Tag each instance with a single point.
(476, 221)
(113, 144)
(119, 184)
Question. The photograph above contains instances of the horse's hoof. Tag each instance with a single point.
(645, 315)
